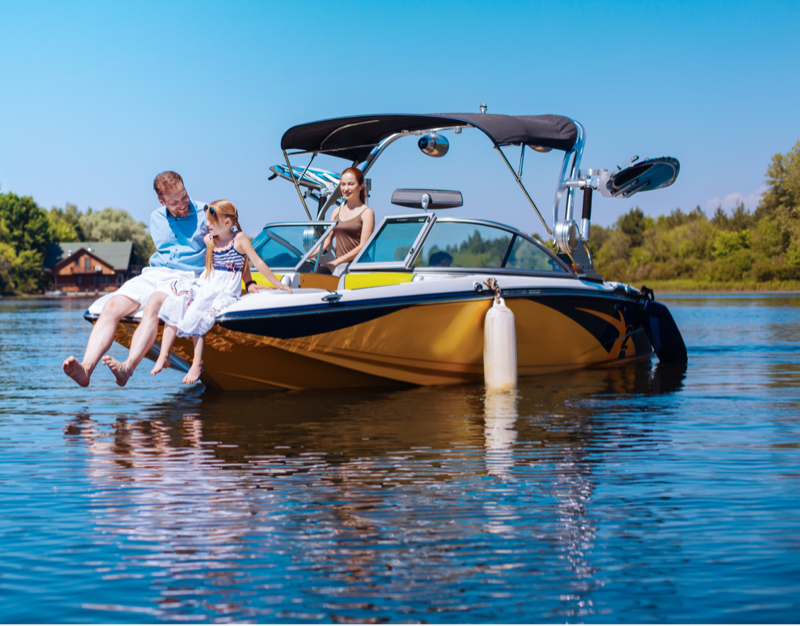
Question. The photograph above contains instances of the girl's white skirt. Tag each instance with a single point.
(193, 305)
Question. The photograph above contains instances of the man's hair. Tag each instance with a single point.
(166, 181)
(438, 257)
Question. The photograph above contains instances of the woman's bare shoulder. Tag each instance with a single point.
(365, 210)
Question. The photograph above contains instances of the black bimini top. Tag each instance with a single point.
(353, 138)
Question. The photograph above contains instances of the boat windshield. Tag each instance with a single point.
(284, 245)
(471, 245)
(395, 240)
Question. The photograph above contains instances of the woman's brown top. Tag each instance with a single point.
(347, 234)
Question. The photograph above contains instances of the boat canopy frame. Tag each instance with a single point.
(363, 139)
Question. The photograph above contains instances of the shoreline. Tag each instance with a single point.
(693, 287)
(45, 296)
(660, 291)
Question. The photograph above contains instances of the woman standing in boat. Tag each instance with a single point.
(355, 223)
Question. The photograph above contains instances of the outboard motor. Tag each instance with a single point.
(662, 331)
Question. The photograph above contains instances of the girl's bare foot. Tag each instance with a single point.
(193, 374)
(76, 371)
(160, 365)
(121, 371)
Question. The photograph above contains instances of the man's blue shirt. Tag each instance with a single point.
(179, 240)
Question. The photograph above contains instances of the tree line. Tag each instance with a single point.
(756, 250)
(745, 250)
(26, 231)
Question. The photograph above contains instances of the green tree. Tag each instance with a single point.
(65, 224)
(740, 219)
(7, 258)
(24, 236)
(26, 226)
(783, 186)
(632, 224)
(117, 225)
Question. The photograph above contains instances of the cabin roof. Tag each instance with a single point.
(117, 254)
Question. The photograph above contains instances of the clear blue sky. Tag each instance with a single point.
(98, 97)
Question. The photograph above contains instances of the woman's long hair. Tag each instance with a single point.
(359, 178)
(222, 209)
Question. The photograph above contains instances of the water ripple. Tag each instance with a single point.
(641, 493)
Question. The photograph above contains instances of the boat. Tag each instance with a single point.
(411, 308)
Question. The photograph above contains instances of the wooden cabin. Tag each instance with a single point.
(77, 266)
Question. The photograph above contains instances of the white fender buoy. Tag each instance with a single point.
(500, 348)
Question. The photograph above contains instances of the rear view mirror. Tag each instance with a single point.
(427, 198)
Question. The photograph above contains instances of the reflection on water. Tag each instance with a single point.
(631, 493)
(500, 417)
(358, 496)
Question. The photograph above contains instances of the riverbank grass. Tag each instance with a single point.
(699, 286)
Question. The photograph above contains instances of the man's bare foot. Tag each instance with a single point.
(121, 371)
(76, 371)
(160, 365)
(193, 374)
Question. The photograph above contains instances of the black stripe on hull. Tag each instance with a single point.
(589, 310)
(584, 312)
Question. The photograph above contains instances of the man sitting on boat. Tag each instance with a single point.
(178, 229)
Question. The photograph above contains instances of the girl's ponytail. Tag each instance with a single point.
(236, 223)
(209, 256)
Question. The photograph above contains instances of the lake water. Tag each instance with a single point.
(633, 494)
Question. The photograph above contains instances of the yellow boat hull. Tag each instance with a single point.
(421, 344)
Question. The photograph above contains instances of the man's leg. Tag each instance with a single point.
(142, 341)
(100, 340)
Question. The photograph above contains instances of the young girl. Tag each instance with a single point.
(194, 305)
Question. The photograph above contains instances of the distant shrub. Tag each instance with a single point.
(727, 244)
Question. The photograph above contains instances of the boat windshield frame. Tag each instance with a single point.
(394, 266)
(328, 226)
(407, 265)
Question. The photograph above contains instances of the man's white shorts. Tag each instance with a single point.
(151, 280)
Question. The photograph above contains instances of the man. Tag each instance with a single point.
(440, 259)
(178, 229)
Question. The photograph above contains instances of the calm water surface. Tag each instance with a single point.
(632, 494)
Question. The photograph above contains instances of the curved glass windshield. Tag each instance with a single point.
(527, 256)
(453, 244)
(466, 245)
(285, 245)
(394, 240)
